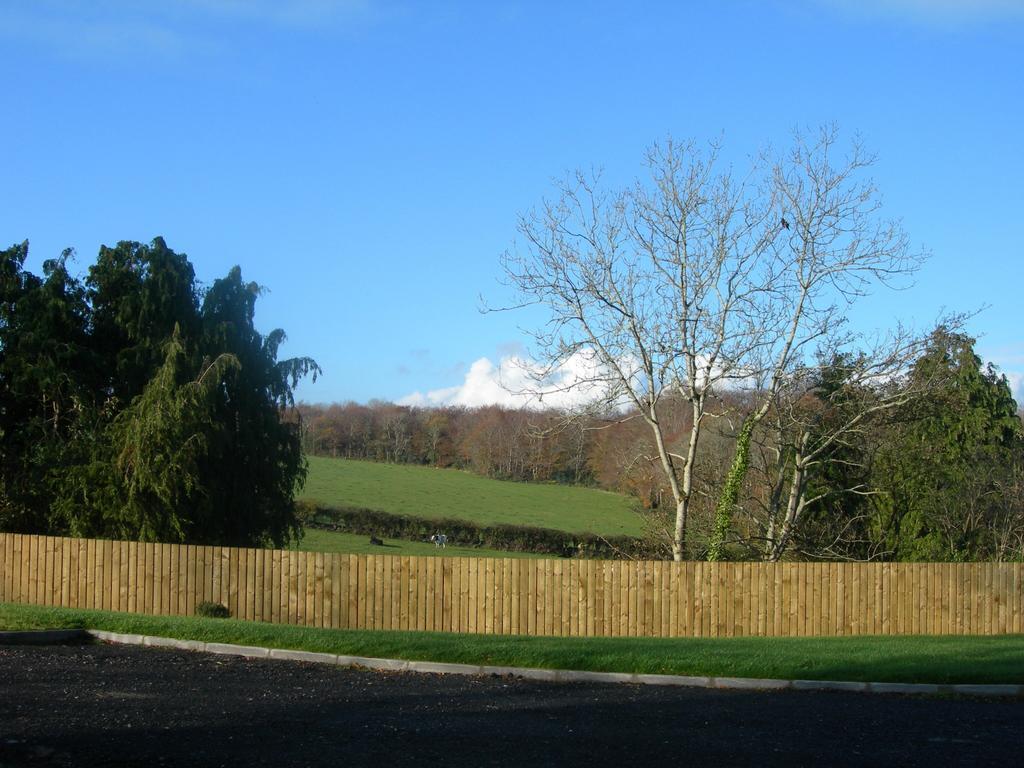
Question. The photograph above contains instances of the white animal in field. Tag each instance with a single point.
(440, 540)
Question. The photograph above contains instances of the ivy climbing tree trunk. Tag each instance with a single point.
(730, 496)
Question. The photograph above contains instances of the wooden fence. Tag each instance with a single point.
(511, 596)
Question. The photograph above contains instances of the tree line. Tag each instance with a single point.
(134, 404)
(493, 441)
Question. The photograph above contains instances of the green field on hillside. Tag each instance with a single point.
(436, 493)
(315, 540)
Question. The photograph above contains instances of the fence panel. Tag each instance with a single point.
(568, 598)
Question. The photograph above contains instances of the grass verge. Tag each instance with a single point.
(949, 659)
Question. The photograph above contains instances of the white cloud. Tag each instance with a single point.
(516, 382)
(81, 32)
(1016, 380)
(1009, 361)
(105, 29)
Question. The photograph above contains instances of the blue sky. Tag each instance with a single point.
(366, 161)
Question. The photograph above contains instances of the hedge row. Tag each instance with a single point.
(512, 538)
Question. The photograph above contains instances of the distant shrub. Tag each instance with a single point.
(212, 610)
(512, 538)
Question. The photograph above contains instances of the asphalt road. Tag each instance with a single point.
(120, 705)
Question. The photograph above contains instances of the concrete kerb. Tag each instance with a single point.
(248, 651)
(927, 688)
(551, 675)
(315, 658)
(441, 668)
(381, 665)
(750, 683)
(828, 685)
(692, 682)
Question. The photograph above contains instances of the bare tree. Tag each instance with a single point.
(698, 278)
(825, 415)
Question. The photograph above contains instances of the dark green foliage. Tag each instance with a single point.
(255, 460)
(136, 406)
(937, 479)
(162, 449)
(511, 538)
(841, 479)
(48, 376)
(949, 469)
(212, 610)
(138, 295)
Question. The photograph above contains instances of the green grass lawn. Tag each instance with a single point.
(436, 493)
(316, 540)
(998, 659)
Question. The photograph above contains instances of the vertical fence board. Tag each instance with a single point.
(559, 621)
(339, 584)
(65, 572)
(275, 586)
(488, 603)
(722, 593)
(321, 585)
(32, 569)
(387, 605)
(259, 567)
(377, 588)
(13, 560)
(503, 596)
(460, 595)
(46, 596)
(532, 599)
(350, 590)
(431, 622)
(420, 619)
(17, 566)
(44, 576)
(396, 592)
(309, 569)
(169, 559)
(1018, 589)
(19, 582)
(405, 604)
(5, 569)
(257, 584)
(297, 588)
(173, 573)
(216, 582)
(43, 564)
(543, 599)
(447, 594)
(741, 576)
(228, 578)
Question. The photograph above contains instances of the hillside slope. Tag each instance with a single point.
(429, 492)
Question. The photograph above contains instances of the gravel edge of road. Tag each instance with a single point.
(552, 675)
